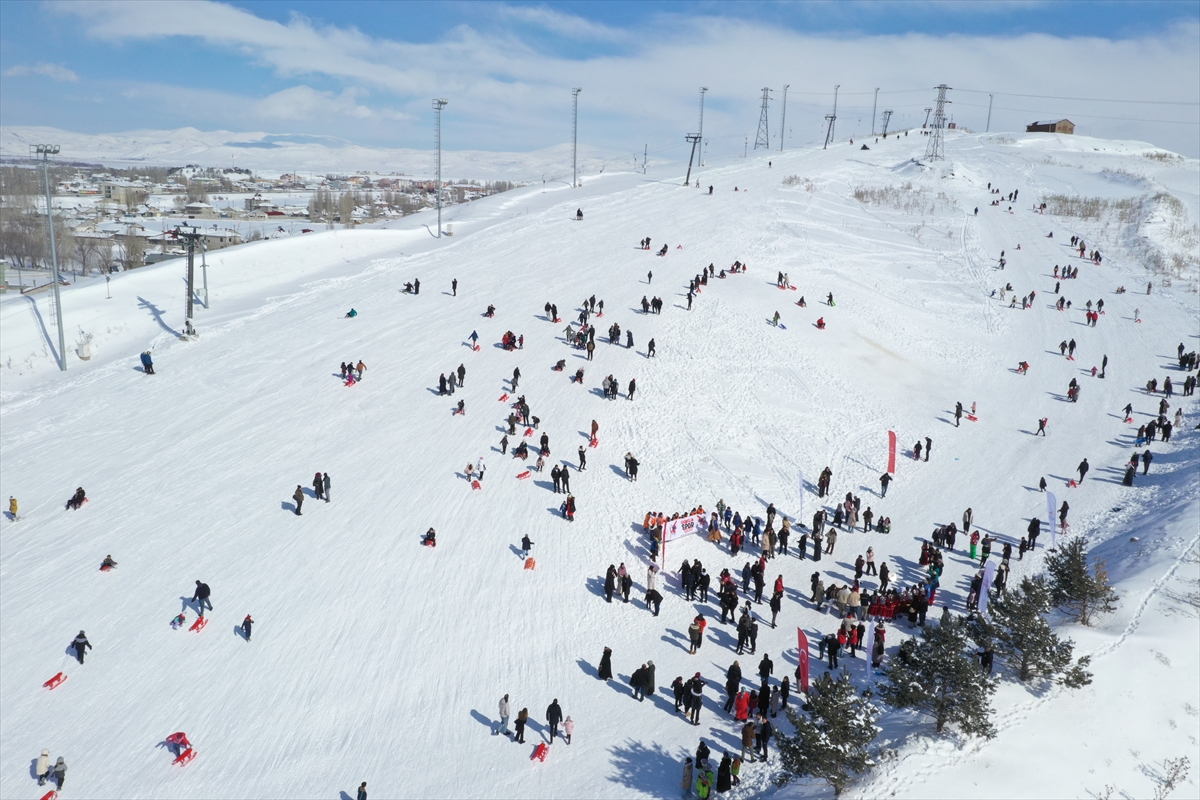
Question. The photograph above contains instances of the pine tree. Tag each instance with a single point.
(937, 676)
(1018, 630)
(1076, 590)
(831, 742)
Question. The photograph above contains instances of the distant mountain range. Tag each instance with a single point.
(275, 154)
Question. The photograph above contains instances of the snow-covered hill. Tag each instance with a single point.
(377, 659)
(268, 154)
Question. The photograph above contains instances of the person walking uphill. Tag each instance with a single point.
(362, 791)
(1083, 469)
(43, 767)
(505, 711)
(298, 496)
(554, 717)
(60, 772)
(327, 483)
(200, 597)
(522, 718)
(81, 645)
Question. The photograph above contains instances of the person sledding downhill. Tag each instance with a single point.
(430, 538)
(78, 499)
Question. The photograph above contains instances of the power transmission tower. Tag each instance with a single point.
(575, 136)
(887, 116)
(694, 138)
(763, 139)
(936, 149)
(873, 107)
(438, 105)
(783, 119)
(703, 89)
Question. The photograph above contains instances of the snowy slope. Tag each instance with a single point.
(377, 659)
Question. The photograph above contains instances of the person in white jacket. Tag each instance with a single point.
(569, 728)
(504, 715)
(43, 767)
(652, 577)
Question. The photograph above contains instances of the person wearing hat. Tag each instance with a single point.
(60, 772)
(108, 562)
(80, 644)
(200, 597)
(362, 791)
(247, 623)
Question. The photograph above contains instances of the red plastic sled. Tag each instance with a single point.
(185, 757)
(594, 442)
(973, 418)
(475, 348)
(350, 382)
(523, 475)
(54, 682)
(198, 625)
(530, 563)
(529, 431)
(475, 485)
(540, 752)
(1072, 484)
(504, 397)
(50, 795)
(106, 569)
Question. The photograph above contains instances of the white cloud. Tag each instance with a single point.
(303, 103)
(556, 22)
(53, 71)
(506, 93)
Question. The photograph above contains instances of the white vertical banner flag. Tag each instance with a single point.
(989, 575)
(868, 652)
(800, 512)
(1051, 506)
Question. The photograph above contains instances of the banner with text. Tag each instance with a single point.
(802, 644)
(684, 526)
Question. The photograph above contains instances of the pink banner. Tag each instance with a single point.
(891, 451)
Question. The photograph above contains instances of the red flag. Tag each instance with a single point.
(802, 642)
(891, 451)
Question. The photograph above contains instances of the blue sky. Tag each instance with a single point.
(366, 72)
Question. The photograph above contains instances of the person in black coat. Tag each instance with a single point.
(637, 681)
(201, 597)
(605, 673)
(725, 775)
(81, 645)
(554, 716)
(677, 688)
(733, 681)
(765, 667)
(610, 582)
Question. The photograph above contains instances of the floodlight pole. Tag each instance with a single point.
(438, 105)
(575, 137)
(873, 108)
(988, 129)
(204, 269)
(783, 118)
(45, 151)
(703, 89)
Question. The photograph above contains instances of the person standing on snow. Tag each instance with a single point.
(504, 714)
(43, 767)
(147, 363)
(928, 447)
(326, 483)
(319, 486)
(200, 597)
(81, 645)
(958, 412)
(554, 717)
(582, 458)
(60, 772)
(522, 718)
(1083, 469)
(247, 626)
(362, 791)
(299, 498)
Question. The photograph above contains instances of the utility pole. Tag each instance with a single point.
(989, 122)
(833, 122)
(926, 125)
(746, 145)
(763, 138)
(190, 237)
(887, 117)
(936, 149)
(575, 136)
(45, 151)
(873, 107)
(204, 269)
(703, 89)
(645, 150)
(438, 105)
(783, 119)
(694, 138)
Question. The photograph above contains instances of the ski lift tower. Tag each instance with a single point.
(763, 139)
(191, 237)
(43, 152)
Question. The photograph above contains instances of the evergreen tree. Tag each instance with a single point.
(1077, 590)
(937, 676)
(1018, 630)
(831, 742)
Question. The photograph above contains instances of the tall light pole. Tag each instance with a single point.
(575, 136)
(45, 151)
(783, 118)
(703, 89)
(989, 122)
(833, 124)
(438, 105)
(873, 107)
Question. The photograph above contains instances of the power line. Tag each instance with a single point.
(1086, 99)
